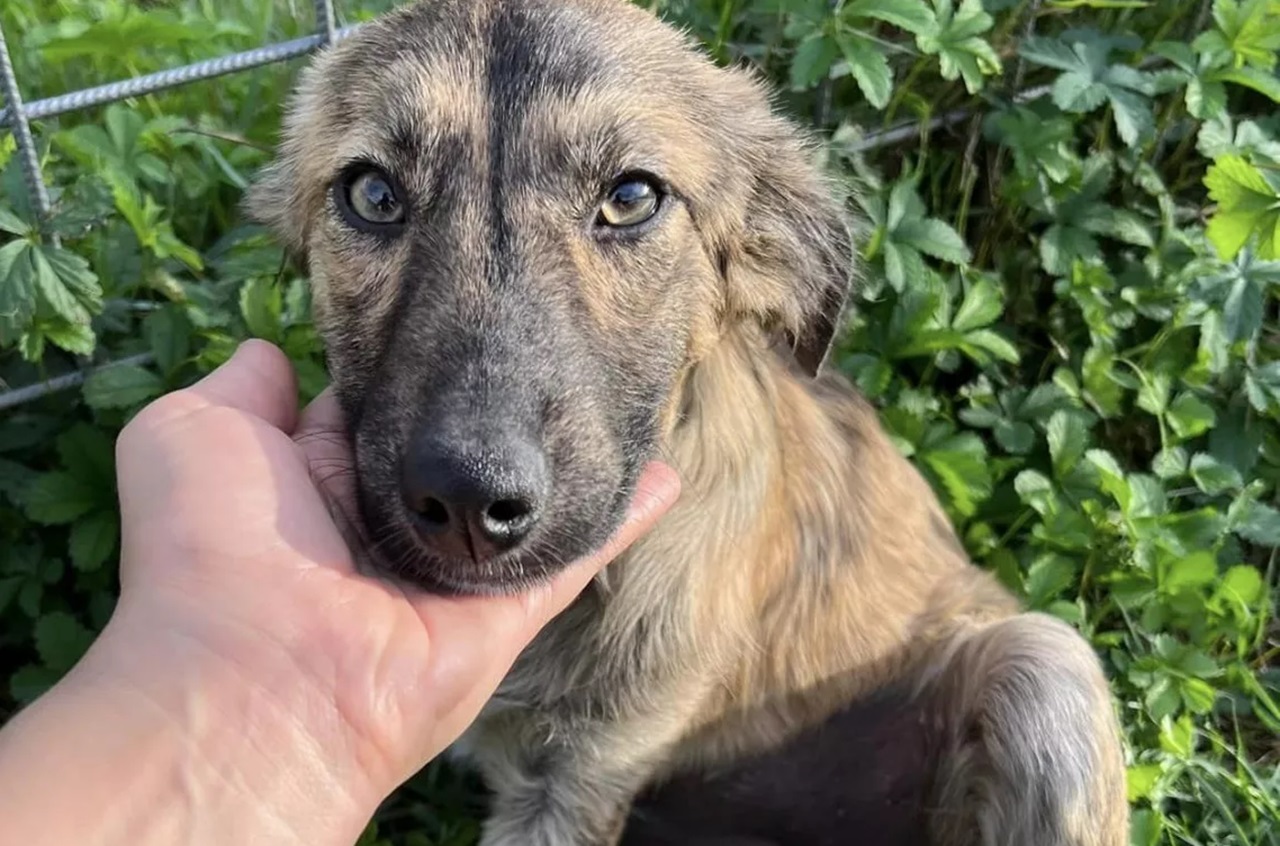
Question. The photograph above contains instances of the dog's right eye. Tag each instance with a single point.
(632, 201)
(368, 199)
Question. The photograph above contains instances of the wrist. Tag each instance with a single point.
(194, 754)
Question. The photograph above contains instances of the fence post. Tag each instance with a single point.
(36, 191)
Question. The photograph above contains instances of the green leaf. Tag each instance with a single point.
(1098, 4)
(911, 15)
(1088, 81)
(933, 238)
(58, 497)
(1112, 477)
(988, 341)
(1077, 93)
(17, 289)
(1259, 524)
(1242, 311)
(1039, 144)
(813, 59)
(77, 338)
(1146, 827)
(1247, 207)
(1190, 416)
(61, 640)
(1068, 438)
(30, 682)
(75, 273)
(121, 386)
(1149, 499)
(54, 294)
(953, 36)
(1259, 80)
(1035, 489)
(169, 333)
(1262, 385)
(1014, 436)
(11, 223)
(1153, 395)
(1194, 571)
(960, 464)
(869, 68)
(1048, 576)
(1178, 737)
(1198, 695)
(1141, 780)
(1241, 585)
(1248, 31)
(1212, 476)
(1132, 115)
(93, 540)
(1170, 463)
(88, 453)
(261, 305)
(1119, 224)
(1061, 245)
(982, 304)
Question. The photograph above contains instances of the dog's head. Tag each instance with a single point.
(524, 221)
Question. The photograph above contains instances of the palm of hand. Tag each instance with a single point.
(230, 550)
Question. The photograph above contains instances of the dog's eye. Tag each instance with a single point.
(632, 201)
(370, 198)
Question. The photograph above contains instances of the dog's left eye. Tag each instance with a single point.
(369, 200)
(630, 202)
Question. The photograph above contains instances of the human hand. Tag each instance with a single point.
(242, 619)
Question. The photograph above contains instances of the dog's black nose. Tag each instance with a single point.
(474, 497)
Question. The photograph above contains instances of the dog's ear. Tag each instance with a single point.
(786, 251)
(270, 202)
(280, 195)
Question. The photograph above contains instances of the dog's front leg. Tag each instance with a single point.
(576, 789)
(560, 807)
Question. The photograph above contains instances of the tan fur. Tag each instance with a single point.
(808, 564)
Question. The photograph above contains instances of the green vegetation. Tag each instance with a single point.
(1070, 323)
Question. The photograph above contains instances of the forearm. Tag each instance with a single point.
(99, 763)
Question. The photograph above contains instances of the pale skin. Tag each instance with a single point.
(251, 686)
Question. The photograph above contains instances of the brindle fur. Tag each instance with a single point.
(808, 568)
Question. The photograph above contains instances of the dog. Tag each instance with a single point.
(550, 240)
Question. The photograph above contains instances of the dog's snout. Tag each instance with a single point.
(474, 497)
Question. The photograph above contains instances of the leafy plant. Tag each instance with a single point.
(1068, 322)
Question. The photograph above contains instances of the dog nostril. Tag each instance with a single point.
(433, 512)
(504, 512)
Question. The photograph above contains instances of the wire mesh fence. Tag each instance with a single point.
(18, 115)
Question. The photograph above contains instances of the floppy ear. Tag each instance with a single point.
(787, 256)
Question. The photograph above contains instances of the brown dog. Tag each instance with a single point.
(550, 240)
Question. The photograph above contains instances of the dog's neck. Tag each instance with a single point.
(795, 505)
(753, 447)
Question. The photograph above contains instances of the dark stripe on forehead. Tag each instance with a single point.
(540, 50)
(536, 52)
